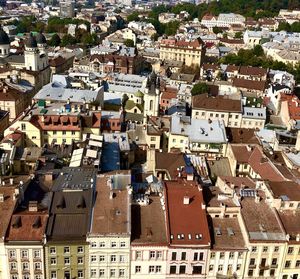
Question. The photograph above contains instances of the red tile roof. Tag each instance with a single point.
(188, 221)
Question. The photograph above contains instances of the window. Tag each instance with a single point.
(101, 272)
(261, 272)
(80, 260)
(122, 244)
(113, 244)
(122, 272)
(25, 266)
(138, 255)
(197, 269)
(36, 254)
(183, 256)
(252, 261)
(265, 249)
(220, 267)
(67, 261)
(38, 276)
(290, 250)
(152, 254)
(182, 269)
(276, 249)
(211, 267)
(238, 267)
(12, 253)
(173, 269)
(272, 272)
(287, 264)
(93, 244)
(93, 272)
(274, 261)
(137, 269)
(101, 258)
(93, 258)
(222, 255)
(297, 263)
(113, 258)
(66, 250)
(80, 274)
(13, 266)
(254, 249)
(250, 272)
(112, 272)
(173, 256)
(152, 138)
(151, 269)
(53, 261)
(23, 126)
(37, 266)
(79, 249)
(54, 133)
(14, 277)
(158, 269)
(24, 254)
(102, 244)
(231, 255)
(212, 255)
(53, 275)
(73, 133)
(159, 254)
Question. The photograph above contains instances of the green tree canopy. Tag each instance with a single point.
(68, 40)
(55, 40)
(200, 88)
(129, 43)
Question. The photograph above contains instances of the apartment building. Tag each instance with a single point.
(109, 237)
(149, 245)
(217, 108)
(189, 241)
(223, 20)
(189, 52)
(197, 135)
(66, 250)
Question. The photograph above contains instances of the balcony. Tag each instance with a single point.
(252, 266)
(264, 267)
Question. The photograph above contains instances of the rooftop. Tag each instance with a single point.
(184, 205)
(111, 213)
(150, 227)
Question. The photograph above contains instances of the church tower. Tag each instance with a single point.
(4, 43)
(36, 58)
(152, 97)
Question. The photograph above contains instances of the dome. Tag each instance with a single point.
(4, 39)
(40, 38)
(31, 41)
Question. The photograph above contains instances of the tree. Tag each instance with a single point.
(217, 30)
(258, 50)
(68, 40)
(125, 98)
(200, 88)
(171, 27)
(238, 35)
(55, 40)
(129, 43)
(133, 17)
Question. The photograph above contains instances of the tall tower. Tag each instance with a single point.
(36, 58)
(152, 96)
(4, 43)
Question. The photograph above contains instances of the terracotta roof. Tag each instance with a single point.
(169, 162)
(110, 215)
(56, 124)
(240, 135)
(253, 71)
(6, 208)
(293, 103)
(182, 43)
(167, 95)
(57, 61)
(149, 223)
(291, 223)
(182, 228)
(230, 237)
(249, 84)
(232, 68)
(218, 103)
(287, 188)
(29, 226)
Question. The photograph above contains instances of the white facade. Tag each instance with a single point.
(149, 262)
(25, 261)
(109, 256)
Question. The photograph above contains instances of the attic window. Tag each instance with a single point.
(218, 231)
(17, 223)
(81, 202)
(230, 231)
(37, 223)
(61, 203)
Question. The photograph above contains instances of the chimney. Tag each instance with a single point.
(33, 206)
(186, 200)
(11, 181)
(298, 237)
